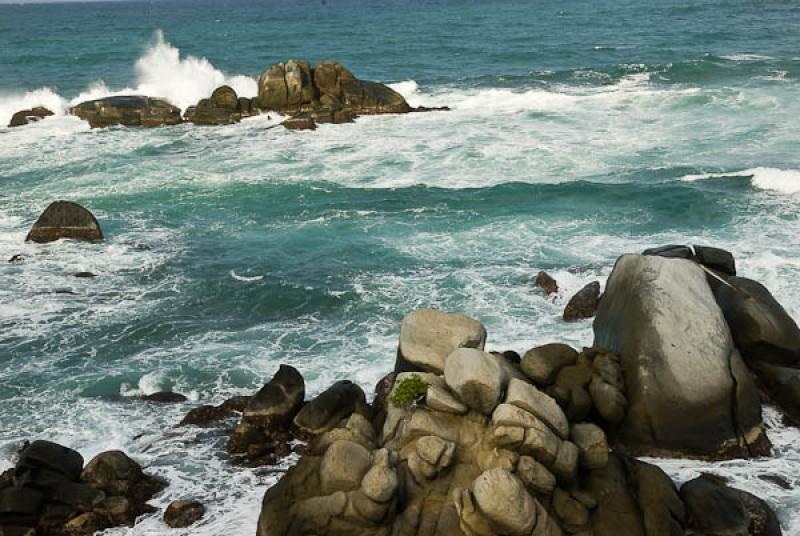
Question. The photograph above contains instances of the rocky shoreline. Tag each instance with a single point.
(457, 440)
(326, 93)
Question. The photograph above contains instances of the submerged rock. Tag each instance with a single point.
(165, 397)
(65, 219)
(688, 390)
(129, 111)
(23, 117)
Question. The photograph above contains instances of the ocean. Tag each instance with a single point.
(579, 131)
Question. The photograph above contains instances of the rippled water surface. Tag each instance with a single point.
(578, 131)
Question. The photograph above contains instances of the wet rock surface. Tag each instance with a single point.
(65, 219)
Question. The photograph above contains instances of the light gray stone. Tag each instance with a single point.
(531, 399)
(428, 336)
(343, 466)
(592, 445)
(476, 378)
(502, 498)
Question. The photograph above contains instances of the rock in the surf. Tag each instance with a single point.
(129, 111)
(687, 388)
(302, 121)
(545, 282)
(65, 219)
(717, 259)
(52, 493)
(181, 514)
(24, 117)
(224, 107)
(295, 87)
(715, 509)
(584, 303)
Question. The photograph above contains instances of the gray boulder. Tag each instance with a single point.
(476, 378)
(279, 400)
(687, 388)
(325, 412)
(584, 303)
(428, 336)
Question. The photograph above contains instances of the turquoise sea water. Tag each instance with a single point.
(579, 131)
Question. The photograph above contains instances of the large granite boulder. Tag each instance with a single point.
(129, 111)
(23, 117)
(428, 336)
(687, 388)
(65, 219)
(295, 87)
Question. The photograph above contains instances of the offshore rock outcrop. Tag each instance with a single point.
(24, 117)
(65, 219)
(51, 493)
(129, 111)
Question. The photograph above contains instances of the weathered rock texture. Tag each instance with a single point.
(688, 390)
(50, 492)
(23, 117)
(129, 111)
(224, 107)
(326, 93)
(65, 219)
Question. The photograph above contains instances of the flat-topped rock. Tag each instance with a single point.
(129, 111)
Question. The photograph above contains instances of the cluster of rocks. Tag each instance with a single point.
(326, 93)
(484, 445)
(24, 117)
(50, 493)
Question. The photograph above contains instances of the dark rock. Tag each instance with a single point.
(51, 457)
(761, 327)
(17, 259)
(584, 303)
(118, 475)
(165, 397)
(323, 413)
(279, 400)
(300, 122)
(81, 497)
(20, 501)
(671, 251)
(688, 390)
(543, 363)
(783, 386)
(634, 499)
(206, 414)
(86, 524)
(430, 109)
(716, 259)
(65, 219)
(84, 275)
(714, 509)
(180, 514)
(129, 110)
(380, 404)
(777, 480)
(579, 404)
(23, 117)
(511, 357)
(546, 283)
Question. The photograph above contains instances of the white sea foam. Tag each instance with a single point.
(246, 278)
(746, 57)
(785, 181)
(160, 72)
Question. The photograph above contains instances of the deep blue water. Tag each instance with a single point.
(579, 131)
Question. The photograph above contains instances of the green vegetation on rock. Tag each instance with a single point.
(408, 390)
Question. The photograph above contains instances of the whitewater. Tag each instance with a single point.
(233, 249)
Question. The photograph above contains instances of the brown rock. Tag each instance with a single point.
(65, 219)
(584, 303)
(546, 283)
(180, 514)
(24, 117)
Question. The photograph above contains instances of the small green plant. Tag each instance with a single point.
(408, 390)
